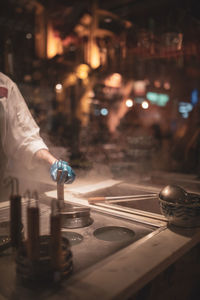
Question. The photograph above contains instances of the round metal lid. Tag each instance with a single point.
(73, 211)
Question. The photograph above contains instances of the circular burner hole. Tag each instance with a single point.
(114, 234)
(73, 237)
(75, 222)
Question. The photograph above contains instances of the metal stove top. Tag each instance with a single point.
(104, 237)
(115, 225)
(147, 204)
(135, 199)
(108, 233)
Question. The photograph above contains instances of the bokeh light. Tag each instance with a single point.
(145, 105)
(129, 102)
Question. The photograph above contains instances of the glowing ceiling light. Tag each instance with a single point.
(194, 96)
(145, 105)
(58, 87)
(139, 87)
(167, 85)
(79, 28)
(82, 71)
(54, 44)
(185, 108)
(104, 111)
(95, 56)
(114, 80)
(129, 102)
(157, 83)
(29, 36)
(86, 19)
(159, 99)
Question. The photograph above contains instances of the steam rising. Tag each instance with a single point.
(118, 113)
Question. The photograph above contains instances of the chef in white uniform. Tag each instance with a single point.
(19, 135)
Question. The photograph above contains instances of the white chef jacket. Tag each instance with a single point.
(19, 133)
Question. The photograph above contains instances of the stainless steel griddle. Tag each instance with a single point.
(113, 226)
(135, 199)
(104, 236)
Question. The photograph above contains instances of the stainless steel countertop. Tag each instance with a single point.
(119, 275)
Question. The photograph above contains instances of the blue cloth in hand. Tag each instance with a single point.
(67, 175)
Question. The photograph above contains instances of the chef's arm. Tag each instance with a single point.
(44, 156)
(24, 143)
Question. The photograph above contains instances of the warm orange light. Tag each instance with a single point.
(114, 80)
(71, 79)
(54, 45)
(86, 19)
(157, 84)
(139, 87)
(79, 28)
(58, 87)
(167, 85)
(82, 71)
(95, 56)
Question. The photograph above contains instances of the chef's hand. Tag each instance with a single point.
(67, 175)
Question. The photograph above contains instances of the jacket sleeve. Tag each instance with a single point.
(23, 138)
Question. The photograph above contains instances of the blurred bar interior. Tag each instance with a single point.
(109, 82)
(114, 86)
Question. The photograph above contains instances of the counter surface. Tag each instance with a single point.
(118, 276)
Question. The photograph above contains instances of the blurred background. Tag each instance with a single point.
(113, 83)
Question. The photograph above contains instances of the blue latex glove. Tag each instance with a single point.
(67, 175)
